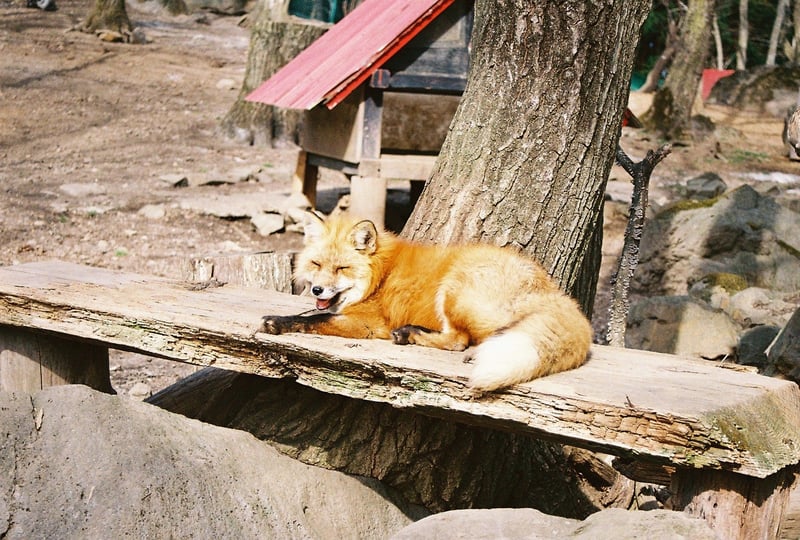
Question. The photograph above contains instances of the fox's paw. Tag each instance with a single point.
(405, 334)
(275, 324)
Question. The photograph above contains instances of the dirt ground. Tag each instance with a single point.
(93, 135)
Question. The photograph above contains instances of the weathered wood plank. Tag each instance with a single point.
(650, 406)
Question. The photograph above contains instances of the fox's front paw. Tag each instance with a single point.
(275, 324)
(405, 334)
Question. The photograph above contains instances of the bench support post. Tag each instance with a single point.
(734, 505)
(30, 361)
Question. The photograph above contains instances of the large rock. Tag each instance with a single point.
(783, 357)
(529, 524)
(740, 233)
(680, 325)
(75, 463)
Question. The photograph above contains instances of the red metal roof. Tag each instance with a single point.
(347, 54)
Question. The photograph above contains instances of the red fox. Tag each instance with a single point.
(372, 284)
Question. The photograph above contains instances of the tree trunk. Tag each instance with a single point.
(796, 23)
(671, 44)
(777, 31)
(530, 147)
(741, 50)
(272, 44)
(718, 43)
(671, 111)
(439, 464)
(108, 15)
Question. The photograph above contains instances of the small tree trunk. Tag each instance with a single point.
(741, 51)
(671, 111)
(272, 45)
(796, 42)
(718, 44)
(108, 15)
(654, 75)
(777, 31)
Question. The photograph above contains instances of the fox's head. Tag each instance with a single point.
(336, 263)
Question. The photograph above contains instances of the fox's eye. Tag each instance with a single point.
(315, 263)
(342, 268)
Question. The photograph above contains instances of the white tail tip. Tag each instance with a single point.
(504, 359)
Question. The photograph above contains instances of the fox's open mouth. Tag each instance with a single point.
(328, 303)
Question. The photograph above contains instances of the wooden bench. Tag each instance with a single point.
(727, 440)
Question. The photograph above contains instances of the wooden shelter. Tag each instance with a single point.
(380, 89)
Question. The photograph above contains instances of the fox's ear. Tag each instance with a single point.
(313, 227)
(364, 236)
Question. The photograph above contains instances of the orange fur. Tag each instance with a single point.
(374, 284)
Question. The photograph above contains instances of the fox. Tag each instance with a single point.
(502, 306)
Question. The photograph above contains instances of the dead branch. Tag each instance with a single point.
(629, 258)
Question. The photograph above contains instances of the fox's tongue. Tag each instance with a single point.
(323, 304)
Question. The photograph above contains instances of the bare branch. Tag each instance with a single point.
(629, 258)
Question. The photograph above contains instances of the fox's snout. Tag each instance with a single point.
(316, 290)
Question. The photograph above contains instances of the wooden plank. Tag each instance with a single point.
(31, 361)
(648, 406)
(406, 166)
(337, 133)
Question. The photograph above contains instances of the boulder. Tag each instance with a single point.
(753, 345)
(741, 233)
(783, 356)
(75, 463)
(705, 186)
(680, 325)
(529, 524)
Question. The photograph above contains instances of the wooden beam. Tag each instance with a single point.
(654, 407)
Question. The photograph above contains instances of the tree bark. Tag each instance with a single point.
(440, 464)
(530, 147)
(108, 15)
(272, 44)
(671, 111)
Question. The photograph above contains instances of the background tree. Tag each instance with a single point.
(532, 142)
(274, 41)
(108, 15)
(741, 50)
(672, 105)
(670, 20)
(777, 31)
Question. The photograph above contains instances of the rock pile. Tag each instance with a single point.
(719, 276)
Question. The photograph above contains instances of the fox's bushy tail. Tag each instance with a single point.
(553, 336)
